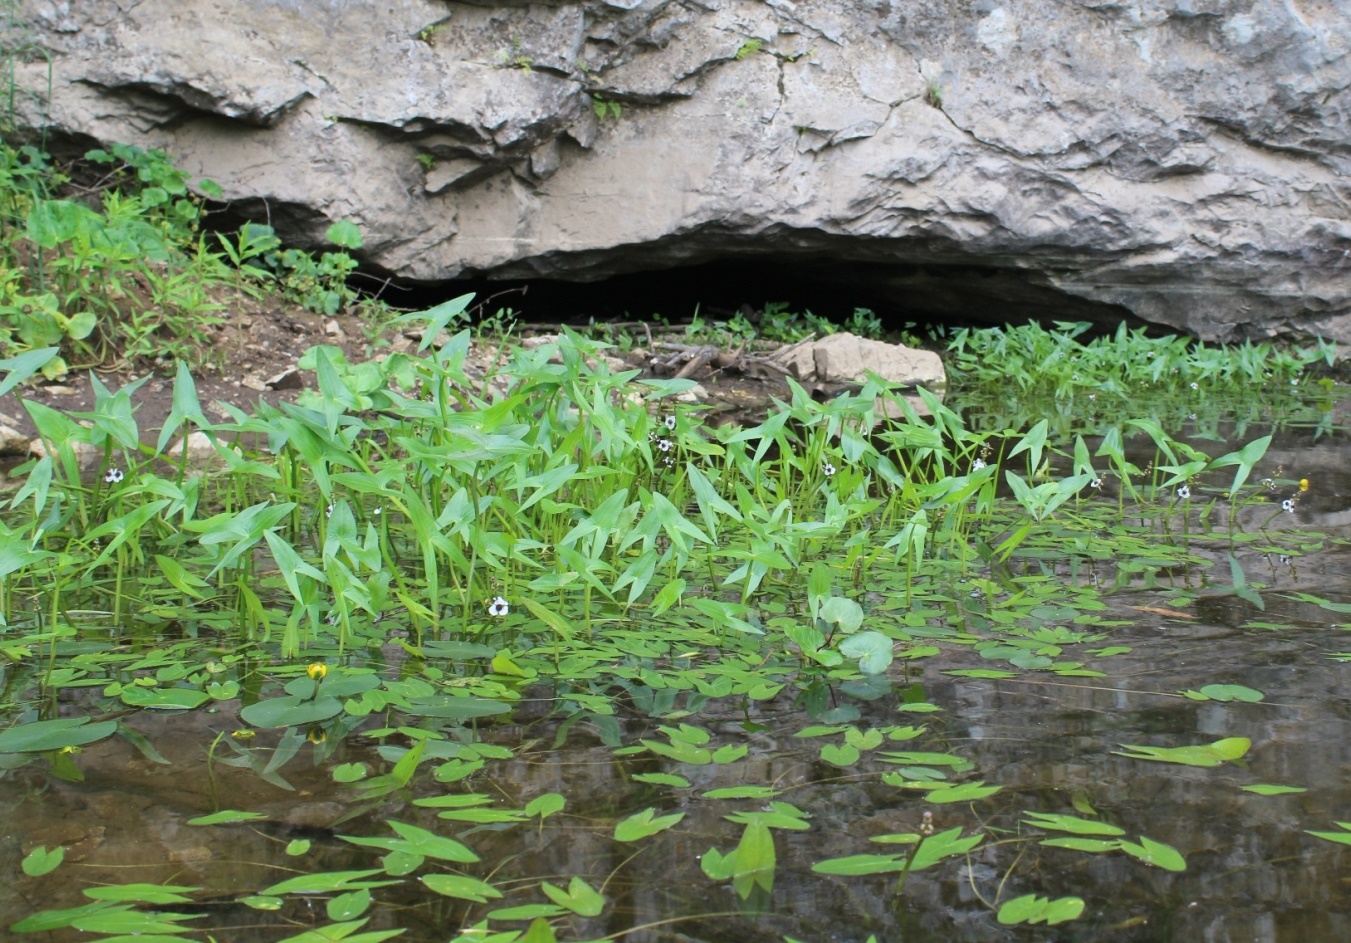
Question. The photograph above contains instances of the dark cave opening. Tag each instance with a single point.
(915, 298)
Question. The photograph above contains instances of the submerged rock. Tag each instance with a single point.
(1186, 163)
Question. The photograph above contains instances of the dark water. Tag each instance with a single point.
(1253, 873)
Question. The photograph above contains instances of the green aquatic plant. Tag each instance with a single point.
(377, 576)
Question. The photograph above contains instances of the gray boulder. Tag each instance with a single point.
(1183, 161)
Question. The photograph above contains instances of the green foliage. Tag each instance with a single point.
(134, 278)
(1033, 362)
(606, 109)
(749, 48)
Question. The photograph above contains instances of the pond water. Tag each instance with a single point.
(1054, 742)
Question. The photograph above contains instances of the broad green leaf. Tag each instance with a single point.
(1032, 909)
(42, 861)
(142, 893)
(290, 711)
(839, 754)
(741, 792)
(43, 735)
(226, 817)
(580, 897)
(642, 824)
(325, 882)
(853, 865)
(662, 779)
(1155, 853)
(348, 906)
(1214, 754)
(1091, 845)
(944, 845)
(1343, 837)
(1071, 824)
(966, 792)
(545, 805)
(1226, 692)
(461, 886)
(1268, 789)
(58, 919)
(164, 699)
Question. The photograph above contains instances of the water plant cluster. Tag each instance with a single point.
(1035, 363)
(383, 575)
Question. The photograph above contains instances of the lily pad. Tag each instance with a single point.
(43, 735)
(290, 711)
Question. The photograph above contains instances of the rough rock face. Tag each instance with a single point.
(1183, 160)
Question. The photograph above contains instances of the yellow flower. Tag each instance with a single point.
(317, 671)
(1304, 484)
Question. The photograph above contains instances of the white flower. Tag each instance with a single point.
(114, 476)
(978, 464)
(1194, 385)
(1283, 558)
(665, 444)
(670, 422)
(498, 607)
(1288, 505)
(1095, 483)
(328, 511)
(1184, 492)
(1092, 395)
(377, 511)
(828, 469)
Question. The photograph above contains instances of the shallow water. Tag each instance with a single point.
(1253, 873)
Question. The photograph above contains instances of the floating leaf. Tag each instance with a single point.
(297, 846)
(290, 711)
(546, 805)
(662, 779)
(348, 906)
(326, 882)
(458, 885)
(642, 824)
(164, 699)
(1268, 789)
(966, 792)
(1072, 824)
(42, 861)
(1091, 845)
(1226, 692)
(839, 754)
(680, 751)
(142, 893)
(580, 897)
(1155, 853)
(226, 817)
(349, 772)
(742, 792)
(1032, 909)
(43, 735)
(1342, 838)
(527, 912)
(1214, 754)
